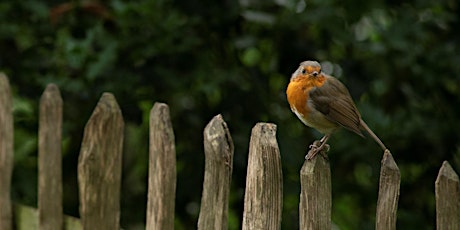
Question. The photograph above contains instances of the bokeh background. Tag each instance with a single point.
(399, 59)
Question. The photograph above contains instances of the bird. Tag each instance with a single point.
(324, 103)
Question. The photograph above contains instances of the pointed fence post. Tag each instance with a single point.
(50, 160)
(263, 199)
(162, 170)
(315, 193)
(6, 153)
(99, 166)
(387, 203)
(218, 149)
(447, 192)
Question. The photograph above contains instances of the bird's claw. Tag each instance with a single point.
(311, 154)
(317, 147)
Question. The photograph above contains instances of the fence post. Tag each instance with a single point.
(218, 149)
(263, 200)
(447, 198)
(162, 170)
(99, 166)
(387, 203)
(6, 153)
(315, 194)
(50, 160)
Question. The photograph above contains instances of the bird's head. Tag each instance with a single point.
(307, 70)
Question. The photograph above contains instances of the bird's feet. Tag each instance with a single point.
(317, 147)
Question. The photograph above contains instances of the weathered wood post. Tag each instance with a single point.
(387, 203)
(99, 166)
(162, 170)
(218, 149)
(50, 160)
(6, 153)
(315, 193)
(263, 200)
(447, 192)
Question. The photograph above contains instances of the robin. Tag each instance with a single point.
(322, 102)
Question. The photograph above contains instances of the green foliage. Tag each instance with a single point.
(399, 60)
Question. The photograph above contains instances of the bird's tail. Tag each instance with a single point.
(372, 134)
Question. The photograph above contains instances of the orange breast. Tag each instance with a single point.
(298, 90)
(298, 94)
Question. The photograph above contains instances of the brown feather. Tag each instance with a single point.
(334, 101)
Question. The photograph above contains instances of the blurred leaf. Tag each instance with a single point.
(251, 57)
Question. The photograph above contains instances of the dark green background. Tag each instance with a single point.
(400, 61)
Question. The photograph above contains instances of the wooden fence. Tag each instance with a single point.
(99, 175)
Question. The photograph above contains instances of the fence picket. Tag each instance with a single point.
(50, 160)
(162, 170)
(218, 149)
(6, 153)
(387, 203)
(447, 193)
(315, 195)
(263, 200)
(99, 166)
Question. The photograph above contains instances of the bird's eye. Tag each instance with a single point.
(304, 71)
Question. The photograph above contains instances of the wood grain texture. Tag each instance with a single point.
(447, 193)
(263, 200)
(315, 194)
(99, 166)
(6, 153)
(162, 170)
(387, 203)
(50, 160)
(218, 149)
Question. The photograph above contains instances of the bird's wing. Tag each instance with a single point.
(334, 101)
